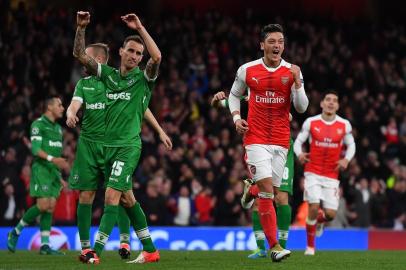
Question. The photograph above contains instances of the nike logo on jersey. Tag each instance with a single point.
(317, 129)
(255, 79)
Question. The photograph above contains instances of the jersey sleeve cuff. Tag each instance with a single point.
(78, 99)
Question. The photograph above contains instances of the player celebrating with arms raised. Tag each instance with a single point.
(273, 83)
(128, 91)
(326, 133)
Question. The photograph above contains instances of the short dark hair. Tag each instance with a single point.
(100, 47)
(135, 38)
(49, 100)
(330, 92)
(270, 28)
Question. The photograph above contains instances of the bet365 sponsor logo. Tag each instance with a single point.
(115, 96)
(95, 106)
(55, 144)
(270, 98)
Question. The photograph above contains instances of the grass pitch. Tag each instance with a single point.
(212, 260)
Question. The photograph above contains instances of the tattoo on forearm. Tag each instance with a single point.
(79, 44)
(79, 52)
(152, 69)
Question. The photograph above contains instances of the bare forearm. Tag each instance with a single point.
(73, 107)
(152, 121)
(79, 51)
(152, 48)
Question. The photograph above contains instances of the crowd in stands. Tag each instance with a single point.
(199, 181)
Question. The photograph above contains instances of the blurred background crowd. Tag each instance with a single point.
(199, 181)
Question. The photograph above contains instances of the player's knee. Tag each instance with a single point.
(112, 196)
(265, 185)
(282, 198)
(86, 197)
(330, 215)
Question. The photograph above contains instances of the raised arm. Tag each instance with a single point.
(300, 100)
(152, 67)
(82, 20)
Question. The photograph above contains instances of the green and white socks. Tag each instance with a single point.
(284, 216)
(84, 221)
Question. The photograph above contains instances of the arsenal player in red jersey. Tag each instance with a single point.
(326, 132)
(273, 84)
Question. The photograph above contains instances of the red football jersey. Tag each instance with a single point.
(269, 102)
(326, 141)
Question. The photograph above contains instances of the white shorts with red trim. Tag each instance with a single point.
(266, 161)
(320, 188)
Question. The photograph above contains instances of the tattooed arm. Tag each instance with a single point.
(152, 67)
(82, 20)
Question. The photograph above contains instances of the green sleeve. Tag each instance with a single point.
(78, 94)
(104, 71)
(224, 102)
(36, 138)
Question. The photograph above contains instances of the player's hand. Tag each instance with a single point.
(241, 126)
(342, 164)
(71, 120)
(217, 97)
(132, 21)
(290, 117)
(303, 158)
(295, 70)
(166, 140)
(82, 18)
(62, 163)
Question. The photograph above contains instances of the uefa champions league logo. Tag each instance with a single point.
(57, 240)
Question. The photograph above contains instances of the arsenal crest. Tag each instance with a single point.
(284, 80)
(253, 169)
(339, 131)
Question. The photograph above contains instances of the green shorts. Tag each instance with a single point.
(88, 167)
(287, 178)
(45, 181)
(120, 165)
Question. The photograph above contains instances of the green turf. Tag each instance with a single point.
(211, 260)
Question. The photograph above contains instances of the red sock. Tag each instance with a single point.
(267, 217)
(253, 191)
(321, 217)
(311, 233)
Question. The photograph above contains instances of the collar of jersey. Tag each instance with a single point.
(132, 72)
(47, 119)
(272, 69)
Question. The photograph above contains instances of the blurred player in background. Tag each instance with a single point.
(283, 211)
(128, 94)
(88, 169)
(273, 83)
(46, 180)
(326, 133)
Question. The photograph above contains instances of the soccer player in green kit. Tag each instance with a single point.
(88, 169)
(128, 91)
(284, 211)
(46, 180)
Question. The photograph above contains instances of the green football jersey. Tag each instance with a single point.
(127, 100)
(47, 136)
(91, 92)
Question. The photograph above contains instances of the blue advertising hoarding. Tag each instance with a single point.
(192, 238)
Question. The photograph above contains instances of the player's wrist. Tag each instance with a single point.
(50, 158)
(236, 117)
